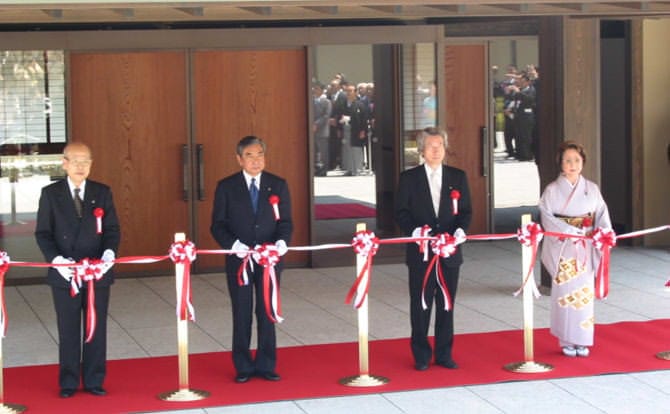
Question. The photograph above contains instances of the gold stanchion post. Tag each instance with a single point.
(6, 407)
(363, 379)
(184, 393)
(528, 366)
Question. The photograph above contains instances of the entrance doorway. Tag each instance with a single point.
(515, 81)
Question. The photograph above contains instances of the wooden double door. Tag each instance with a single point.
(163, 126)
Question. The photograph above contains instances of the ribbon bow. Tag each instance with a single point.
(4, 267)
(365, 244)
(267, 256)
(184, 253)
(444, 245)
(89, 271)
(603, 240)
(530, 235)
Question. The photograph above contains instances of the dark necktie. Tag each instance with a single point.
(78, 205)
(253, 192)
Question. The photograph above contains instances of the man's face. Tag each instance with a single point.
(433, 150)
(77, 164)
(252, 159)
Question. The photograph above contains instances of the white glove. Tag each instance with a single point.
(420, 232)
(107, 258)
(459, 234)
(238, 245)
(281, 247)
(66, 272)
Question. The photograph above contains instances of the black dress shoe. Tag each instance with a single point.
(450, 363)
(67, 392)
(420, 366)
(98, 391)
(241, 378)
(270, 376)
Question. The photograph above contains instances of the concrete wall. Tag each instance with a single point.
(656, 126)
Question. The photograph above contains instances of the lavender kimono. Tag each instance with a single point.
(572, 264)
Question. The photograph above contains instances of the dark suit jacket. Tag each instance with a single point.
(60, 232)
(233, 217)
(414, 208)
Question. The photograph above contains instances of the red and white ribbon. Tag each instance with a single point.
(99, 214)
(184, 253)
(455, 196)
(365, 244)
(603, 240)
(443, 246)
(89, 271)
(4, 267)
(267, 255)
(530, 235)
(274, 202)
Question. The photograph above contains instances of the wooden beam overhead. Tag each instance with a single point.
(451, 8)
(54, 13)
(397, 9)
(127, 13)
(193, 11)
(263, 11)
(323, 9)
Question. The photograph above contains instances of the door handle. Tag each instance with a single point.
(184, 169)
(485, 151)
(200, 160)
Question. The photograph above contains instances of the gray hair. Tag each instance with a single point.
(426, 132)
(249, 140)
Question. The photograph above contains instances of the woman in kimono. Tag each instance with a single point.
(572, 205)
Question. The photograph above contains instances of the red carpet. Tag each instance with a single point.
(314, 371)
(343, 211)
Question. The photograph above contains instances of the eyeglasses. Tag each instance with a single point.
(79, 163)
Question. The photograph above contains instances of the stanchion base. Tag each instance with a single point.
(528, 367)
(663, 355)
(6, 408)
(184, 395)
(364, 381)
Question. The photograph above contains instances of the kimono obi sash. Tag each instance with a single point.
(580, 222)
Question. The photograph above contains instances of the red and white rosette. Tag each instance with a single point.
(4, 267)
(267, 255)
(274, 202)
(184, 253)
(530, 235)
(455, 196)
(603, 240)
(87, 271)
(443, 246)
(99, 214)
(365, 244)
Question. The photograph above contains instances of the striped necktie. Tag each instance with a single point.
(78, 204)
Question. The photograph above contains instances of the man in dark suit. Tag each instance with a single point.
(68, 231)
(237, 225)
(424, 199)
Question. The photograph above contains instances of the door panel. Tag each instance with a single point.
(262, 93)
(130, 108)
(465, 111)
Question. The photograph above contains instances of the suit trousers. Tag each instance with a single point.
(420, 318)
(242, 300)
(79, 363)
